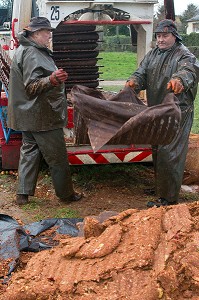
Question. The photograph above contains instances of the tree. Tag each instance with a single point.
(6, 3)
(116, 30)
(191, 11)
(160, 15)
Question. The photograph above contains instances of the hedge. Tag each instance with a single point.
(191, 39)
(123, 43)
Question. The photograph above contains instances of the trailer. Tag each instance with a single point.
(75, 46)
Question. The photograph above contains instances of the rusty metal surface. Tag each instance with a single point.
(75, 54)
(78, 63)
(70, 28)
(76, 36)
(86, 69)
(124, 118)
(60, 46)
(75, 49)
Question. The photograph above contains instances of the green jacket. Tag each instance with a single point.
(155, 71)
(158, 67)
(33, 103)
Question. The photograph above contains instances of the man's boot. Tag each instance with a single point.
(21, 199)
(73, 198)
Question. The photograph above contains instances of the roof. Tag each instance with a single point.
(195, 18)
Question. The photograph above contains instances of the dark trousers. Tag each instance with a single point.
(51, 146)
(169, 161)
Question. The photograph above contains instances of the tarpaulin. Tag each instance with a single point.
(125, 119)
(15, 237)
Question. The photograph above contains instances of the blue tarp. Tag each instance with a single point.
(15, 237)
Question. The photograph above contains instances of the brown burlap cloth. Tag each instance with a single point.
(124, 118)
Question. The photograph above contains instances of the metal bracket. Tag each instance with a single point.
(114, 13)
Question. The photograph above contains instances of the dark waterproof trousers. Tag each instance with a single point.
(169, 161)
(51, 145)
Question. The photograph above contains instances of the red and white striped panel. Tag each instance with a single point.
(109, 157)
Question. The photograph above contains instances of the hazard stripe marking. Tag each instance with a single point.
(74, 160)
(112, 158)
(141, 156)
(109, 158)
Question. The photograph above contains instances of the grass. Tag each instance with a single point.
(65, 212)
(88, 176)
(195, 127)
(113, 88)
(40, 210)
(117, 65)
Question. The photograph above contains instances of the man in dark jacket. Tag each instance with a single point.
(37, 106)
(169, 67)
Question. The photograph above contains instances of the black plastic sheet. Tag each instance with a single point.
(15, 237)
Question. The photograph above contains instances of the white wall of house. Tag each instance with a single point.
(193, 24)
(193, 27)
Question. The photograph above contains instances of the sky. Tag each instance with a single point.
(181, 5)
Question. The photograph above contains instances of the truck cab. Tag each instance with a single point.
(75, 46)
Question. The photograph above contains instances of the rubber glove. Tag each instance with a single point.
(131, 83)
(58, 76)
(175, 85)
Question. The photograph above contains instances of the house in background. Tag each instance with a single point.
(193, 24)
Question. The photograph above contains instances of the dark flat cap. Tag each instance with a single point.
(38, 23)
(167, 26)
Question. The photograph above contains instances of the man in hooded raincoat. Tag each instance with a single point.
(170, 66)
(37, 106)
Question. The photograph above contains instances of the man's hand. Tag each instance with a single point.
(175, 85)
(132, 84)
(58, 76)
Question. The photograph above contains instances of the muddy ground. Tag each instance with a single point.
(125, 252)
(139, 253)
(113, 187)
(110, 188)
